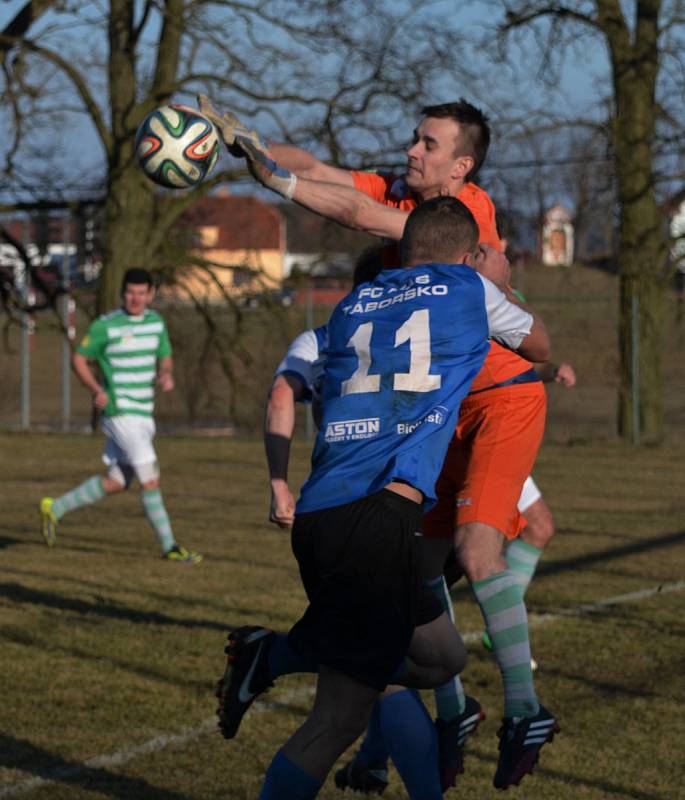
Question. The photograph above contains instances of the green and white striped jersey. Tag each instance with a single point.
(127, 349)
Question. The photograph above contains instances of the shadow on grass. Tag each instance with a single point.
(140, 590)
(607, 788)
(564, 565)
(23, 755)
(5, 541)
(22, 594)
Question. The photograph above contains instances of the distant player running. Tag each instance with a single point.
(131, 346)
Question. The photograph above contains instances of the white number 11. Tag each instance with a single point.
(416, 331)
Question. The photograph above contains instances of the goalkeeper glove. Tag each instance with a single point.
(242, 142)
(229, 126)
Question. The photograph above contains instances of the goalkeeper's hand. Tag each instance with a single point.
(242, 142)
(229, 127)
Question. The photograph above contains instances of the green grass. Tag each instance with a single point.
(106, 647)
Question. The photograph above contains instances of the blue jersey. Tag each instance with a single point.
(402, 352)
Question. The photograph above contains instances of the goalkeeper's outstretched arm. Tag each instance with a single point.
(296, 160)
(326, 190)
(305, 165)
(350, 207)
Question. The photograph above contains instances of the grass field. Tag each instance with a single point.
(109, 654)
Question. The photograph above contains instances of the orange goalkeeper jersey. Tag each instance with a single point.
(391, 190)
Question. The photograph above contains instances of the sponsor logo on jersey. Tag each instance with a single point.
(351, 429)
(436, 417)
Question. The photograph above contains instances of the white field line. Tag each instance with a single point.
(208, 725)
(537, 620)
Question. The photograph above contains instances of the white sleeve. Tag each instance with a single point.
(509, 324)
(301, 361)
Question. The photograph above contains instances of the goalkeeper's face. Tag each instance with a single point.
(434, 163)
(137, 297)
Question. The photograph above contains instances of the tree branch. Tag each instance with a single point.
(71, 71)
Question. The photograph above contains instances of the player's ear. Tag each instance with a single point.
(462, 166)
(469, 259)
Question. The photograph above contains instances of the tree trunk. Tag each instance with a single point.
(129, 215)
(643, 247)
(130, 207)
(641, 300)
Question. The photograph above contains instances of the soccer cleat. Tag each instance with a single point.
(367, 778)
(48, 521)
(246, 675)
(452, 738)
(520, 740)
(178, 553)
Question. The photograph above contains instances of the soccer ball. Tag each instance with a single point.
(176, 146)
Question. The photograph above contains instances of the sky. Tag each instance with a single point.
(584, 73)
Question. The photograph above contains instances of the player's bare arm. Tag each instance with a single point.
(562, 373)
(87, 377)
(305, 165)
(538, 340)
(342, 204)
(351, 208)
(514, 327)
(279, 424)
(537, 346)
(165, 374)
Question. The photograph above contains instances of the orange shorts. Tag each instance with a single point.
(489, 458)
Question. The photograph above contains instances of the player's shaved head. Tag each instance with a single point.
(441, 230)
(474, 131)
(368, 264)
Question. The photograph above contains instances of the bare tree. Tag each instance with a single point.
(641, 41)
(96, 70)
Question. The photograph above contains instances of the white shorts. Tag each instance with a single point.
(129, 440)
(529, 494)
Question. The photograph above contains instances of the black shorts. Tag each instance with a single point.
(360, 566)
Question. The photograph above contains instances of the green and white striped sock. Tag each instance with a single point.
(450, 700)
(500, 598)
(158, 517)
(522, 559)
(88, 492)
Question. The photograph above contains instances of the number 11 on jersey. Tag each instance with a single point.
(416, 331)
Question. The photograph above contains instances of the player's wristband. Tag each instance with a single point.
(267, 171)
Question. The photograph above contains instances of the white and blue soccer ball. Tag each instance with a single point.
(176, 146)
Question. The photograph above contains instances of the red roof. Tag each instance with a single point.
(243, 222)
